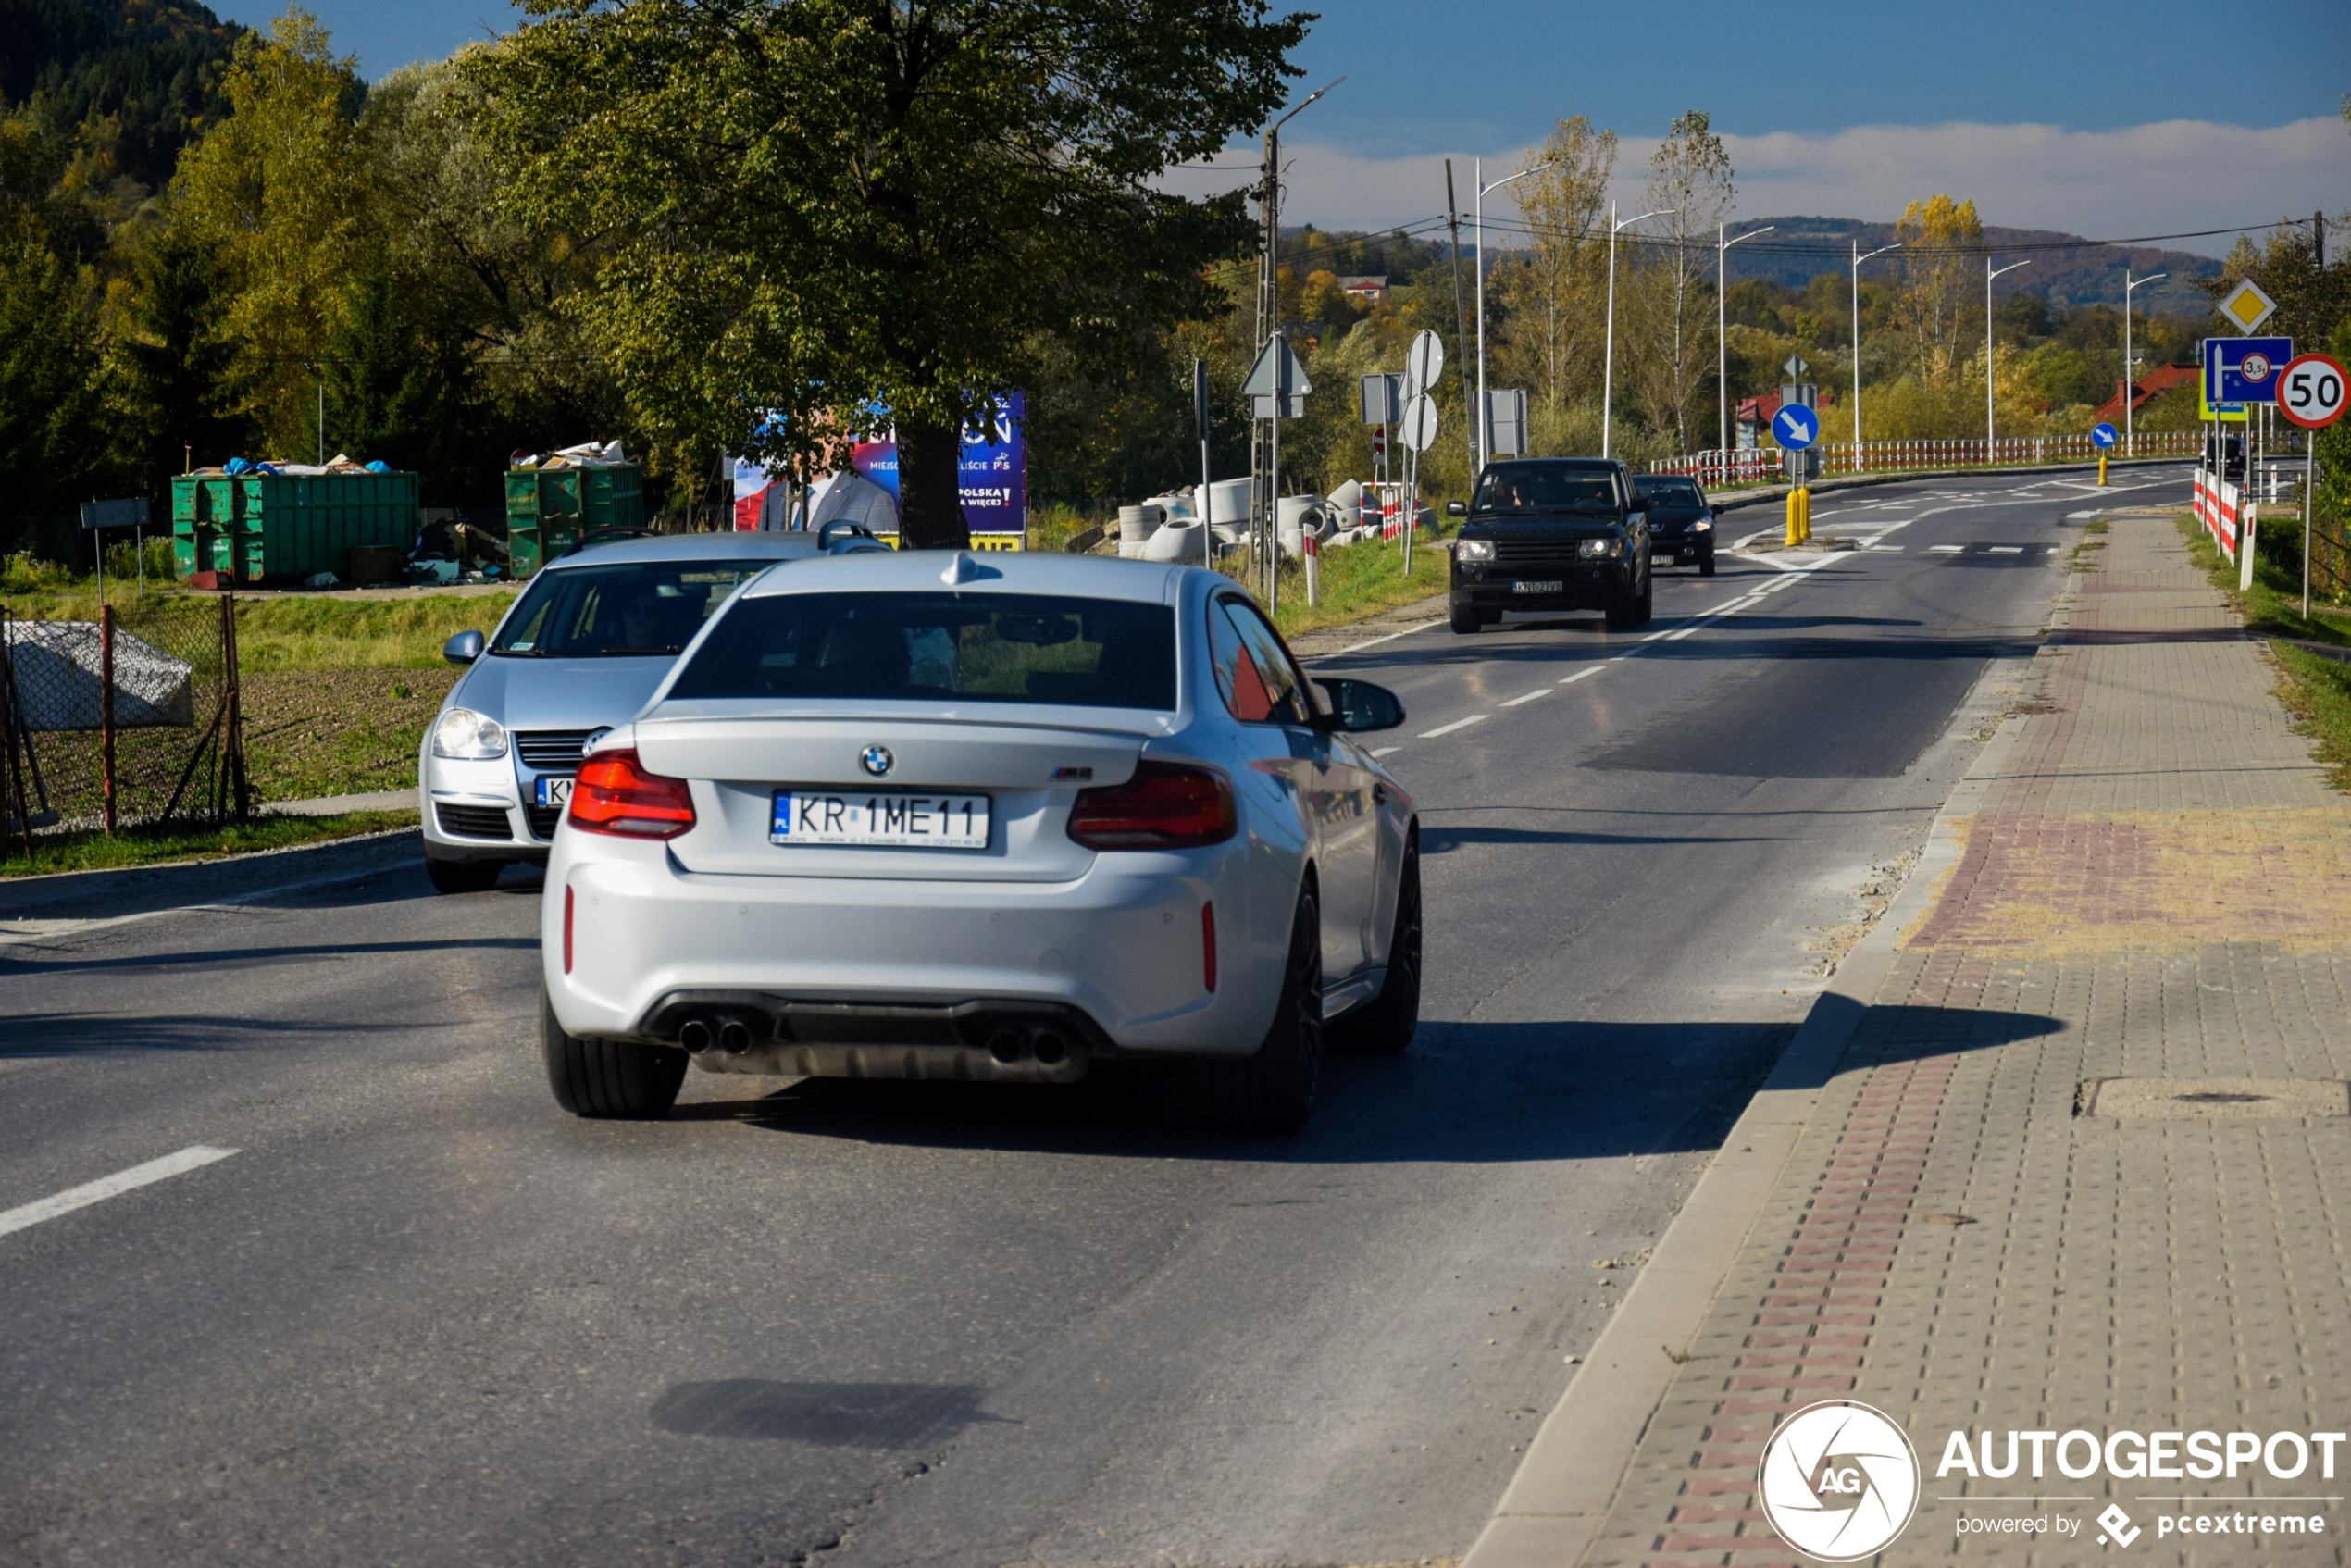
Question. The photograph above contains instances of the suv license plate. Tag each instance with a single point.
(879, 819)
(1538, 588)
(555, 791)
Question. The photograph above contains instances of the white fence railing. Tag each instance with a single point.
(1757, 463)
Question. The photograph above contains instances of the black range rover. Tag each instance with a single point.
(1552, 533)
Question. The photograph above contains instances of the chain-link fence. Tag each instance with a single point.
(130, 718)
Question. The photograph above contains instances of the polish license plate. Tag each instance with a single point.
(1552, 587)
(555, 791)
(879, 819)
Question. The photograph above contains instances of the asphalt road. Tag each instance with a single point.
(421, 1317)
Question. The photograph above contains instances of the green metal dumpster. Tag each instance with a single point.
(547, 509)
(279, 526)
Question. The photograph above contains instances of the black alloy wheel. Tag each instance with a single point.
(1384, 1025)
(1272, 1090)
(608, 1078)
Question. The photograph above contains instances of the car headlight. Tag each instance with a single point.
(464, 735)
(1474, 550)
(1599, 547)
(1704, 525)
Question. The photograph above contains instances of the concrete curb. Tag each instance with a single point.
(80, 900)
(1556, 1505)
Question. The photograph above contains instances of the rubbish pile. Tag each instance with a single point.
(239, 467)
(586, 454)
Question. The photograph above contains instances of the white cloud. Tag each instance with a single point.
(2170, 176)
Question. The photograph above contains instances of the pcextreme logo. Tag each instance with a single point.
(1839, 1480)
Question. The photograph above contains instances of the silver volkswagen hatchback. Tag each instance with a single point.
(936, 815)
(580, 651)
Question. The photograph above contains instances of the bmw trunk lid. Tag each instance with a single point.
(1030, 774)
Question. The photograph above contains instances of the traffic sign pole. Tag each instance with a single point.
(2310, 393)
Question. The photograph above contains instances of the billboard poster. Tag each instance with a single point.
(992, 474)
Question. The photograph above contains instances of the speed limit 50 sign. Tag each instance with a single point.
(2310, 391)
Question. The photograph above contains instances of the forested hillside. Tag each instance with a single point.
(126, 83)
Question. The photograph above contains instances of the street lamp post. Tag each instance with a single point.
(1480, 448)
(1722, 353)
(1988, 275)
(2129, 380)
(1857, 260)
(1608, 374)
(1265, 501)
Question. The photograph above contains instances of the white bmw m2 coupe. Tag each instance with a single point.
(986, 818)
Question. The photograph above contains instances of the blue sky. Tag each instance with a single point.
(2109, 118)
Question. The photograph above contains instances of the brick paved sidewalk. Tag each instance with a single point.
(2156, 884)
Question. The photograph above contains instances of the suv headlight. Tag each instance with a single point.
(464, 735)
(1474, 550)
(1599, 547)
(1704, 525)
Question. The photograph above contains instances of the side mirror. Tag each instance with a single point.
(1456, 509)
(463, 649)
(1357, 707)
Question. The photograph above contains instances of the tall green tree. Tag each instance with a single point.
(176, 396)
(818, 206)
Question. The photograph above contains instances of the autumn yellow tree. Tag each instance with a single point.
(273, 195)
(1942, 250)
(1551, 293)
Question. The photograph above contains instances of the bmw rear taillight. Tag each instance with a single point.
(614, 794)
(1165, 806)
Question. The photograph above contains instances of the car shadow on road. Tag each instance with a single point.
(1466, 1092)
(848, 1415)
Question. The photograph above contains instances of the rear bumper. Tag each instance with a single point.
(654, 946)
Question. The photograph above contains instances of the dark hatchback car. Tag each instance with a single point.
(1552, 533)
(1681, 523)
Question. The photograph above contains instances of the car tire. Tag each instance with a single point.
(1645, 605)
(1624, 614)
(608, 1078)
(1272, 1090)
(1466, 622)
(463, 876)
(1706, 564)
(1384, 1025)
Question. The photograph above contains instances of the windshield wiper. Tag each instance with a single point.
(632, 653)
(522, 652)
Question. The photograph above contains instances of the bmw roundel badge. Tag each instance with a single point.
(877, 761)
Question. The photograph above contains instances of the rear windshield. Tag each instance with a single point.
(626, 609)
(977, 647)
(1546, 487)
(1671, 492)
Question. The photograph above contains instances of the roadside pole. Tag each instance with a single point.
(2310, 393)
(1200, 419)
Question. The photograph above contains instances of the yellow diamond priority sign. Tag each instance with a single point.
(2247, 306)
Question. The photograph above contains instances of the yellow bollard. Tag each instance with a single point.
(1804, 515)
(1795, 519)
(2101, 470)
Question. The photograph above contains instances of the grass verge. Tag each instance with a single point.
(1358, 582)
(2314, 689)
(89, 850)
(305, 631)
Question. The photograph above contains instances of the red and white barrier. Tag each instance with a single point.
(2222, 509)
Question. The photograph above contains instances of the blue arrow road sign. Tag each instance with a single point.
(1796, 427)
(2244, 369)
(2103, 436)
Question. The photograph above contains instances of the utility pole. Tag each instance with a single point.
(1264, 505)
(1461, 319)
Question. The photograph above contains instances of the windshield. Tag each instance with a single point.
(627, 608)
(979, 647)
(1669, 491)
(1546, 487)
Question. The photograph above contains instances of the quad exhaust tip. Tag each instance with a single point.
(700, 1035)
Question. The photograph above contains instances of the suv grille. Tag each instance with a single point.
(1535, 549)
(543, 820)
(472, 822)
(550, 751)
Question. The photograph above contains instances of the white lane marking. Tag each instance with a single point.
(1947, 549)
(1579, 675)
(2079, 516)
(1373, 643)
(1385, 751)
(1538, 691)
(1449, 729)
(98, 1191)
(1889, 549)
(2004, 549)
(1683, 632)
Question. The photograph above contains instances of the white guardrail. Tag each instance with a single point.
(1759, 464)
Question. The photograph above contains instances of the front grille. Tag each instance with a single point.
(543, 820)
(472, 822)
(1510, 550)
(550, 751)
